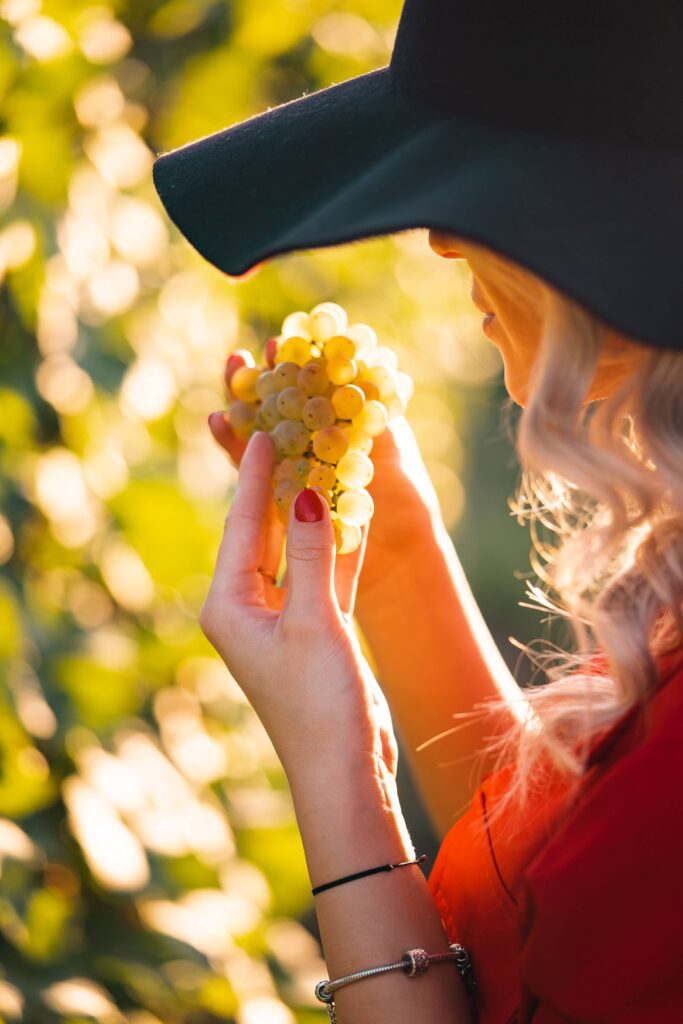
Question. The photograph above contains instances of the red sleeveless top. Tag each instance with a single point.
(578, 916)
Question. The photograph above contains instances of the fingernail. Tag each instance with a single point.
(308, 507)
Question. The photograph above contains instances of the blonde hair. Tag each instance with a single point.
(602, 488)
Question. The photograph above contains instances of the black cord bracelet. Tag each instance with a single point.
(370, 871)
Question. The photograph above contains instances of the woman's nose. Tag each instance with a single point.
(444, 246)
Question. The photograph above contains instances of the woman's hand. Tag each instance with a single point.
(293, 650)
(406, 505)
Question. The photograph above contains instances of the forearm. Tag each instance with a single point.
(435, 657)
(349, 823)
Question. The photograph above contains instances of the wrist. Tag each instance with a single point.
(350, 818)
(392, 577)
(347, 780)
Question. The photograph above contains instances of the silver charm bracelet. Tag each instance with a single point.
(413, 963)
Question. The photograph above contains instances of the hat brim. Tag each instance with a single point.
(365, 158)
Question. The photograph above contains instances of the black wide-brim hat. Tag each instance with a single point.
(551, 133)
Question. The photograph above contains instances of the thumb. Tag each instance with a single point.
(310, 554)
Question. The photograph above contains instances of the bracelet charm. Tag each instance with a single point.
(417, 961)
(413, 963)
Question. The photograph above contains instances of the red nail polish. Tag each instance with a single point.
(308, 507)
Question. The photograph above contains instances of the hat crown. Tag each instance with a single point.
(593, 68)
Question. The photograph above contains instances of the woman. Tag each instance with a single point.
(561, 880)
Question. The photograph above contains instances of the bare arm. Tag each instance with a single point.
(295, 656)
(349, 823)
(435, 657)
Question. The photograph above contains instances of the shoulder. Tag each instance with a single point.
(601, 904)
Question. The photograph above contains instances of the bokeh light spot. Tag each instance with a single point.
(148, 390)
(43, 38)
(82, 996)
(114, 854)
(102, 38)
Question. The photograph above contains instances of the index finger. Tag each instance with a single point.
(224, 434)
(244, 539)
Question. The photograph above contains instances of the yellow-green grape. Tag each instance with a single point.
(404, 385)
(243, 383)
(290, 403)
(286, 492)
(348, 401)
(336, 311)
(330, 443)
(318, 412)
(394, 405)
(290, 437)
(286, 470)
(372, 419)
(269, 412)
(295, 325)
(340, 345)
(260, 421)
(286, 375)
(267, 384)
(354, 470)
(292, 468)
(294, 350)
(369, 389)
(313, 379)
(322, 326)
(355, 507)
(364, 337)
(359, 441)
(322, 476)
(383, 378)
(243, 418)
(385, 356)
(347, 538)
(303, 468)
(341, 370)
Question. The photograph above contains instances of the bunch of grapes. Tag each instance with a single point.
(326, 390)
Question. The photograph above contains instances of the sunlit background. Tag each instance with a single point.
(151, 866)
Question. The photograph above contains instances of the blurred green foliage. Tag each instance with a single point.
(151, 865)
